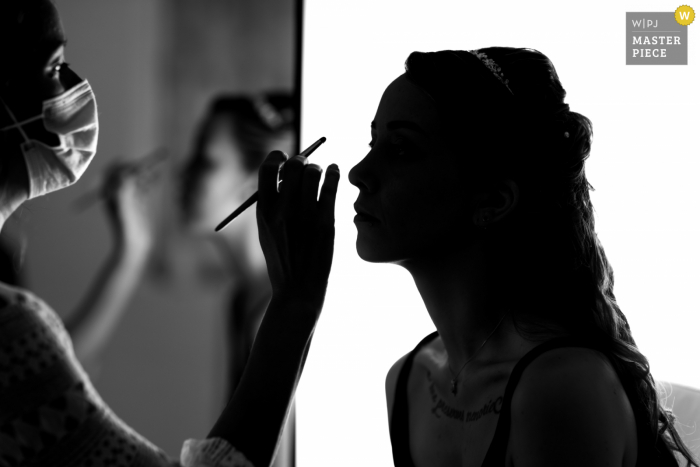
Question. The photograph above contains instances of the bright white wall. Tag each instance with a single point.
(644, 166)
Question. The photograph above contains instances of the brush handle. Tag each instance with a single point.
(251, 201)
(246, 204)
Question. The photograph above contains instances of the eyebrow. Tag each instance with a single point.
(55, 56)
(50, 48)
(405, 124)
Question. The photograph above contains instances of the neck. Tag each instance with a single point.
(464, 304)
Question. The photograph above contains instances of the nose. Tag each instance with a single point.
(69, 78)
(361, 176)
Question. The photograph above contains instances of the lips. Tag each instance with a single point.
(364, 216)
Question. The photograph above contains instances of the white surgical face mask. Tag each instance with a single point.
(72, 117)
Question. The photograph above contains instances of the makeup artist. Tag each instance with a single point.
(475, 183)
(50, 414)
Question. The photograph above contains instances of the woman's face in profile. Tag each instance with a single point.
(413, 200)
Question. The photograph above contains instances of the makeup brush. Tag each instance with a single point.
(250, 201)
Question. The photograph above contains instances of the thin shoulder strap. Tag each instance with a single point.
(399, 412)
(496, 455)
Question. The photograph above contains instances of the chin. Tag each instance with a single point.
(402, 250)
(375, 252)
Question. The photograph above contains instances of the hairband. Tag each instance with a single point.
(496, 70)
(491, 65)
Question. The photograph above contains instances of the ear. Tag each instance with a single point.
(496, 204)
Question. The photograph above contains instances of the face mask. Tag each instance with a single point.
(72, 116)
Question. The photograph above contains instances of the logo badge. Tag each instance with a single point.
(658, 38)
(684, 15)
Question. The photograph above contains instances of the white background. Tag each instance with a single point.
(644, 165)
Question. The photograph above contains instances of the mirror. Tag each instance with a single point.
(212, 85)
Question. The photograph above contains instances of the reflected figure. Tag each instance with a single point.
(236, 134)
(475, 183)
(130, 197)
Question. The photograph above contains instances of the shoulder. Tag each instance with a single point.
(9, 293)
(570, 404)
(392, 378)
(426, 347)
(18, 301)
(28, 320)
(568, 368)
(14, 295)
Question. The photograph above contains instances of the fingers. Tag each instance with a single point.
(309, 185)
(267, 176)
(292, 173)
(300, 184)
(326, 199)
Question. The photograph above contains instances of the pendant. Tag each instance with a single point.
(454, 387)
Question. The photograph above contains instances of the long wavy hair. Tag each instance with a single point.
(509, 105)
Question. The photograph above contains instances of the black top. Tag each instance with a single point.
(647, 454)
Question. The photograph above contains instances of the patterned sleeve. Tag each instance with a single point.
(50, 414)
(214, 452)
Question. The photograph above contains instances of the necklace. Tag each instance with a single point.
(453, 382)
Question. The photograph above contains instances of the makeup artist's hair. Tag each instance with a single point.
(19, 22)
(555, 266)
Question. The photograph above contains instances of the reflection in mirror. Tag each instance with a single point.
(232, 87)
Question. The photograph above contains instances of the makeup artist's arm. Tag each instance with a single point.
(296, 234)
(129, 201)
